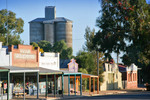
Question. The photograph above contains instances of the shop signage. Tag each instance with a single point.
(46, 63)
(24, 54)
(25, 51)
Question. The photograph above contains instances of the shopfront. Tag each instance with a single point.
(4, 83)
(23, 82)
(49, 83)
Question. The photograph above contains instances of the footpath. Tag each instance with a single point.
(101, 93)
(86, 94)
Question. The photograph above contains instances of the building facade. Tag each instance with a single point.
(51, 28)
(72, 66)
(49, 60)
(129, 76)
(112, 77)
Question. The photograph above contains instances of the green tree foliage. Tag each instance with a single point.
(86, 61)
(124, 25)
(61, 47)
(45, 45)
(66, 53)
(89, 35)
(11, 26)
(34, 44)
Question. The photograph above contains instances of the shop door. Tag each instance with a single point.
(3, 85)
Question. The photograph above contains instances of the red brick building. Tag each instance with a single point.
(24, 56)
(129, 76)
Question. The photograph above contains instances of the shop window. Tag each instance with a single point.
(116, 76)
(129, 77)
(135, 77)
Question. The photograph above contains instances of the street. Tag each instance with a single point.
(128, 96)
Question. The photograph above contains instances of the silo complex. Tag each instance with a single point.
(51, 28)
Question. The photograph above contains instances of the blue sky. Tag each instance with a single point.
(148, 1)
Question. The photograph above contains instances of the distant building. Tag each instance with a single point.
(112, 77)
(129, 76)
(72, 66)
(51, 28)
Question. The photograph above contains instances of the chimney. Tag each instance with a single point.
(1, 45)
(50, 12)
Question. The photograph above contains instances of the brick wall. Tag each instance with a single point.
(131, 79)
(25, 56)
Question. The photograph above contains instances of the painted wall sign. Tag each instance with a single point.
(25, 56)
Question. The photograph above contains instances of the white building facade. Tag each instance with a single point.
(49, 60)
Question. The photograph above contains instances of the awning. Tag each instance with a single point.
(88, 76)
(14, 69)
(45, 71)
(70, 73)
(2, 69)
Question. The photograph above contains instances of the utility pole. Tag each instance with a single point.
(98, 67)
(97, 63)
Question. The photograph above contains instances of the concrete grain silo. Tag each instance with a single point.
(36, 31)
(49, 32)
(63, 31)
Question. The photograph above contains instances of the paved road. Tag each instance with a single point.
(127, 96)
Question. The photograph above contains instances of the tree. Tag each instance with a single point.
(66, 53)
(61, 47)
(89, 35)
(113, 27)
(86, 61)
(34, 44)
(10, 27)
(124, 27)
(45, 45)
